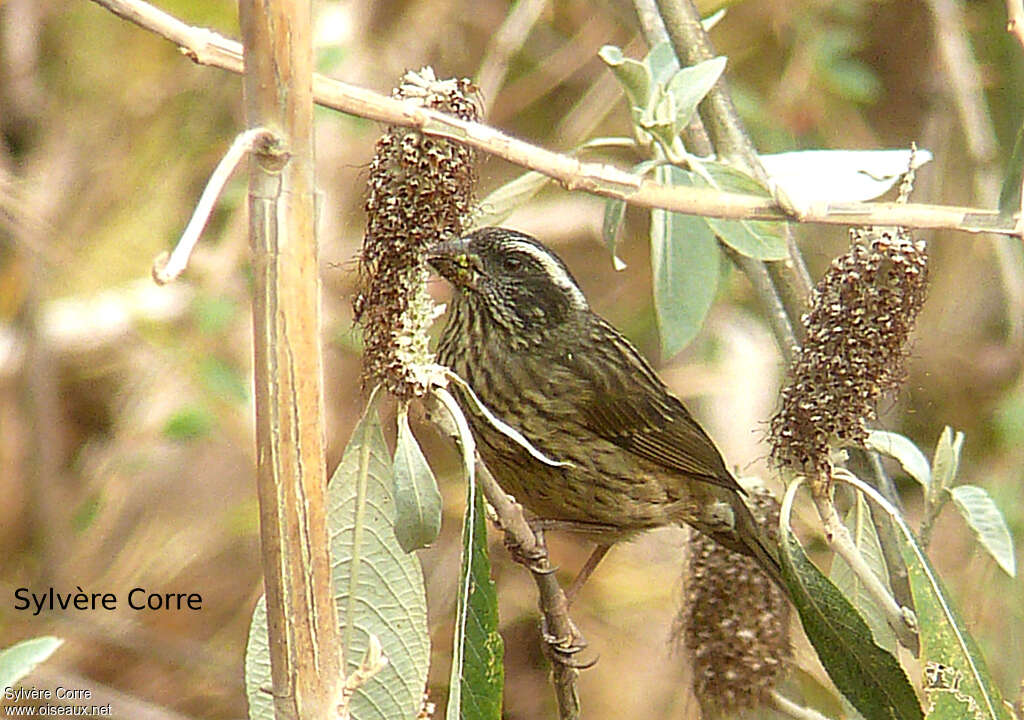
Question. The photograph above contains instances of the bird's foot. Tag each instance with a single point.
(564, 648)
(533, 557)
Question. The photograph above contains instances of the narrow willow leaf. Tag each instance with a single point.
(862, 532)
(754, 238)
(946, 463)
(378, 588)
(839, 176)
(867, 675)
(634, 76)
(957, 683)
(661, 63)
(417, 499)
(980, 511)
(477, 676)
(503, 201)
(690, 85)
(659, 116)
(1009, 194)
(903, 450)
(20, 659)
(614, 213)
(686, 262)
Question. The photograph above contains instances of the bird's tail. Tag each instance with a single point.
(753, 538)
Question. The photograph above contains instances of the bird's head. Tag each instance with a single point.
(511, 276)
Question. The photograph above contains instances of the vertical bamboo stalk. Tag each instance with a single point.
(301, 618)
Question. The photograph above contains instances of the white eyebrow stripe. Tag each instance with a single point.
(554, 271)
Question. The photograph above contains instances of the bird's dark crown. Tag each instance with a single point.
(512, 276)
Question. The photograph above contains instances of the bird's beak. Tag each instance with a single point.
(453, 262)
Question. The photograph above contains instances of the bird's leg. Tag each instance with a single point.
(595, 531)
(586, 571)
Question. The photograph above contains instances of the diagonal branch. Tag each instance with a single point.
(208, 48)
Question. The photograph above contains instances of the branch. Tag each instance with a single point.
(209, 48)
(306, 654)
(167, 267)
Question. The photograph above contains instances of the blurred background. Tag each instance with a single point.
(126, 420)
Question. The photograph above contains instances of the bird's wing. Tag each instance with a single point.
(633, 409)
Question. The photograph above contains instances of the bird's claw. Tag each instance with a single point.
(563, 649)
(535, 558)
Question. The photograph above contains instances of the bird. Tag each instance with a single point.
(613, 451)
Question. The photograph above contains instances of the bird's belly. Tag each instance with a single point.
(600, 488)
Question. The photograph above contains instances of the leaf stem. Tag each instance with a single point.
(838, 538)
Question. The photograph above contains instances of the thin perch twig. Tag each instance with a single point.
(209, 48)
(530, 549)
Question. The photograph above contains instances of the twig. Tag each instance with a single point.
(167, 267)
(775, 311)
(374, 660)
(838, 539)
(561, 633)
(208, 48)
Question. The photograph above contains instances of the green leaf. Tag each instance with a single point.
(947, 459)
(980, 511)
(862, 532)
(685, 261)
(903, 450)
(661, 63)
(223, 379)
(417, 499)
(957, 683)
(1009, 194)
(753, 238)
(867, 675)
(21, 658)
(503, 201)
(477, 675)
(634, 76)
(690, 85)
(378, 588)
(258, 684)
(189, 423)
(658, 117)
(614, 213)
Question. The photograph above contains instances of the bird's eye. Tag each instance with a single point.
(512, 263)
